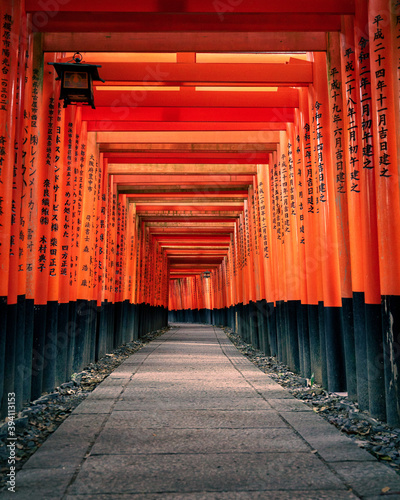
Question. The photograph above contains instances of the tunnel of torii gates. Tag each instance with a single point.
(255, 140)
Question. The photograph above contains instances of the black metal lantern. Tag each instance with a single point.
(206, 274)
(77, 80)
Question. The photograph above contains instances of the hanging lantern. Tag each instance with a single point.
(206, 274)
(77, 80)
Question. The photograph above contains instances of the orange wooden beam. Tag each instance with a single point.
(184, 6)
(294, 73)
(173, 231)
(185, 261)
(185, 41)
(175, 196)
(188, 157)
(183, 137)
(192, 238)
(189, 208)
(197, 269)
(193, 248)
(287, 98)
(185, 147)
(206, 113)
(101, 126)
(217, 180)
(178, 169)
(133, 22)
(175, 253)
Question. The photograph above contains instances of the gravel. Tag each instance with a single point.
(375, 436)
(40, 418)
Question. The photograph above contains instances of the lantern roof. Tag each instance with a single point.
(90, 68)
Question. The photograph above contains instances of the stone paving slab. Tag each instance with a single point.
(368, 478)
(197, 419)
(211, 472)
(40, 484)
(231, 495)
(97, 406)
(71, 442)
(146, 441)
(185, 392)
(111, 382)
(176, 383)
(189, 403)
(324, 437)
(189, 417)
(289, 404)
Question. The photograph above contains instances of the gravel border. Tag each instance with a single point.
(375, 436)
(38, 419)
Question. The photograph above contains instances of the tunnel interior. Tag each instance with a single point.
(240, 168)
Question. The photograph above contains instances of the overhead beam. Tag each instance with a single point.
(189, 147)
(194, 200)
(159, 229)
(172, 249)
(190, 246)
(183, 268)
(187, 158)
(135, 179)
(177, 191)
(171, 253)
(190, 239)
(177, 169)
(176, 218)
(296, 74)
(101, 126)
(185, 41)
(126, 189)
(287, 98)
(181, 137)
(241, 157)
(191, 196)
(179, 262)
(132, 22)
(175, 275)
(233, 207)
(206, 114)
(184, 6)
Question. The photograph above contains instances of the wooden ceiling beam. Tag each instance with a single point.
(177, 169)
(186, 157)
(105, 114)
(126, 126)
(186, 41)
(216, 181)
(186, 6)
(232, 74)
(187, 137)
(233, 207)
(137, 22)
(189, 147)
(285, 97)
(179, 218)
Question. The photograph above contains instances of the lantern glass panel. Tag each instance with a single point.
(76, 80)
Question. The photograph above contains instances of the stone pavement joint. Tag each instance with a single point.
(189, 417)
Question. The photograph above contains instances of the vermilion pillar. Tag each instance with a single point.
(9, 31)
(339, 167)
(384, 93)
(328, 242)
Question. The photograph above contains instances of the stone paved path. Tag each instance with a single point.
(189, 417)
